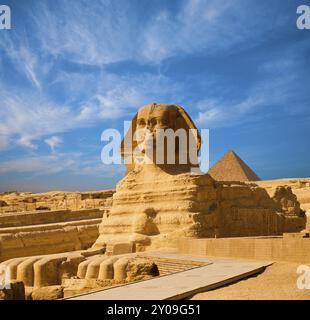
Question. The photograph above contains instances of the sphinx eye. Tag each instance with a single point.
(141, 122)
(153, 121)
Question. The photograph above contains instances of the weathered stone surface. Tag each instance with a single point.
(120, 248)
(15, 291)
(53, 200)
(31, 218)
(48, 240)
(47, 293)
(78, 286)
(3, 203)
(286, 200)
(121, 270)
(140, 269)
(300, 187)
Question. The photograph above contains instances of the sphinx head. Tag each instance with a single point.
(162, 135)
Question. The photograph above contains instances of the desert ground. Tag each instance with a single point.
(277, 282)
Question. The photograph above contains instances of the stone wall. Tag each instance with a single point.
(300, 187)
(42, 217)
(48, 232)
(248, 210)
(54, 200)
(287, 248)
(63, 238)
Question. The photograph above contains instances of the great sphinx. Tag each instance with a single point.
(160, 201)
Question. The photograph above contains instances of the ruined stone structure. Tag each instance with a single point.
(299, 186)
(47, 232)
(155, 205)
(54, 200)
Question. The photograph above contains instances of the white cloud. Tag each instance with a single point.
(119, 97)
(69, 163)
(215, 113)
(103, 32)
(204, 25)
(23, 58)
(219, 112)
(29, 116)
(86, 32)
(35, 164)
(53, 142)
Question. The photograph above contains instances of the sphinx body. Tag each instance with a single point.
(154, 208)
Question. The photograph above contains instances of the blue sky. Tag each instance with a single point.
(70, 69)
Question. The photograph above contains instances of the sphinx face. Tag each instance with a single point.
(150, 119)
(160, 134)
(156, 117)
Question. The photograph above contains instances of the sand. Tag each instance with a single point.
(277, 282)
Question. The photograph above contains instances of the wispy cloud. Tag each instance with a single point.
(68, 163)
(22, 57)
(214, 113)
(53, 142)
(37, 164)
(86, 32)
(273, 94)
(103, 32)
(210, 26)
(27, 117)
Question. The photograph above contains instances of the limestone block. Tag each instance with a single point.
(120, 248)
(46, 271)
(93, 268)
(25, 271)
(12, 266)
(236, 192)
(47, 293)
(120, 269)
(79, 286)
(69, 267)
(139, 269)
(82, 269)
(106, 270)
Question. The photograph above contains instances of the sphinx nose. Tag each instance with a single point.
(149, 127)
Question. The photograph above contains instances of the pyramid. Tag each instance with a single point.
(231, 168)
